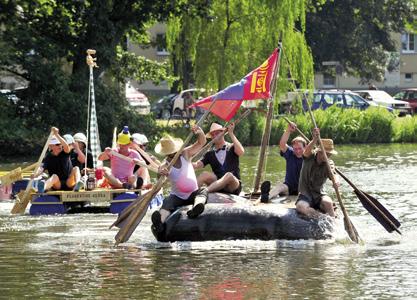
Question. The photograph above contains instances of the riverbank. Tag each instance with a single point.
(344, 126)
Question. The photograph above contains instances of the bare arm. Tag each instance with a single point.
(63, 142)
(285, 136)
(198, 165)
(309, 148)
(194, 148)
(105, 155)
(80, 154)
(239, 150)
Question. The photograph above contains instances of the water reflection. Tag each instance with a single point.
(73, 256)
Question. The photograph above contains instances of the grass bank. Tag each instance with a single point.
(344, 126)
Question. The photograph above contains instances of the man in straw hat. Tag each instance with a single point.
(121, 173)
(224, 162)
(312, 198)
(184, 188)
(293, 156)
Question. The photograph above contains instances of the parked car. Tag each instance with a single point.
(384, 99)
(179, 106)
(137, 100)
(162, 108)
(410, 96)
(342, 98)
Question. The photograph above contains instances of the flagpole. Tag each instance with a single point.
(268, 125)
(91, 109)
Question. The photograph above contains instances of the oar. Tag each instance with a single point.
(203, 150)
(114, 140)
(22, 200)
(139, 163)
(138, 212)
(146, 156)
(15, 174)
(350, 229)
(372, 205)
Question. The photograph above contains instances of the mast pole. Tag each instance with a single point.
(268, 125)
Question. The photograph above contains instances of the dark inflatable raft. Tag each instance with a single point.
(228, 217)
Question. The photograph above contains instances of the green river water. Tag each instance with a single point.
(73, 257)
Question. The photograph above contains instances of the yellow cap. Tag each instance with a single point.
(124, 137)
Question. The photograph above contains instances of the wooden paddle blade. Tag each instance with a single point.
(379, 212)
(12, 176)
(353, 234)
(133, 220)
(22, 201)
(126, 212)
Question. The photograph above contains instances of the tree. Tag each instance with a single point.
(357, 33)
(236, 36)
(44, 41)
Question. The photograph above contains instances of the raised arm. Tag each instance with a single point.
(239, 150)
(190, 151)
(309, 148)
(106, 154)
(55, 131)
(283, 146)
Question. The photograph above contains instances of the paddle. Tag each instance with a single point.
(15, 175)
(138, 212)
(139, 163)
(23, 199)
(203, 150)
(350, 229)
(372, 205)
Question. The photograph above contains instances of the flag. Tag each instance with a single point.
(256, 85)
(93, 130)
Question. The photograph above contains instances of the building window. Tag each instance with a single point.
(161, 44)
(329, 80)
(408, 42)
(408, 77)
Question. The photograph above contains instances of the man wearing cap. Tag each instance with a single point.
(58, 164)
(293, 156)
(312, 198)
(121, 173)
(224, 162)
(78, 155)
(184, 188)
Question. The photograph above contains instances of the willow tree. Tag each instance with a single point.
(236, 36)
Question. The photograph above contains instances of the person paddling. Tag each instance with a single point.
(312, 199)
(293, 156)
(184, 188)
(224, 162)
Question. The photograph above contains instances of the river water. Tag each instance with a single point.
(72, 256)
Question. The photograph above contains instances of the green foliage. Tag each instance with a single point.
(358, 34)
(236, 38)
(405, 130)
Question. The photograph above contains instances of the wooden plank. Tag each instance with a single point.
(92, 196)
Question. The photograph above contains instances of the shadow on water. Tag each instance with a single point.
(73, 256)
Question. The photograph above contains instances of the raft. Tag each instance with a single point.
(99, 200)
(229, 217)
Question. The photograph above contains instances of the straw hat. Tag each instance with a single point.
(328, 146)
(168, 145)
(214, 127)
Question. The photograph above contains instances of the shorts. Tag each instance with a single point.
(313, 202)
(235, 192)
(291, 190)
(64, 186)
(172, 202)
